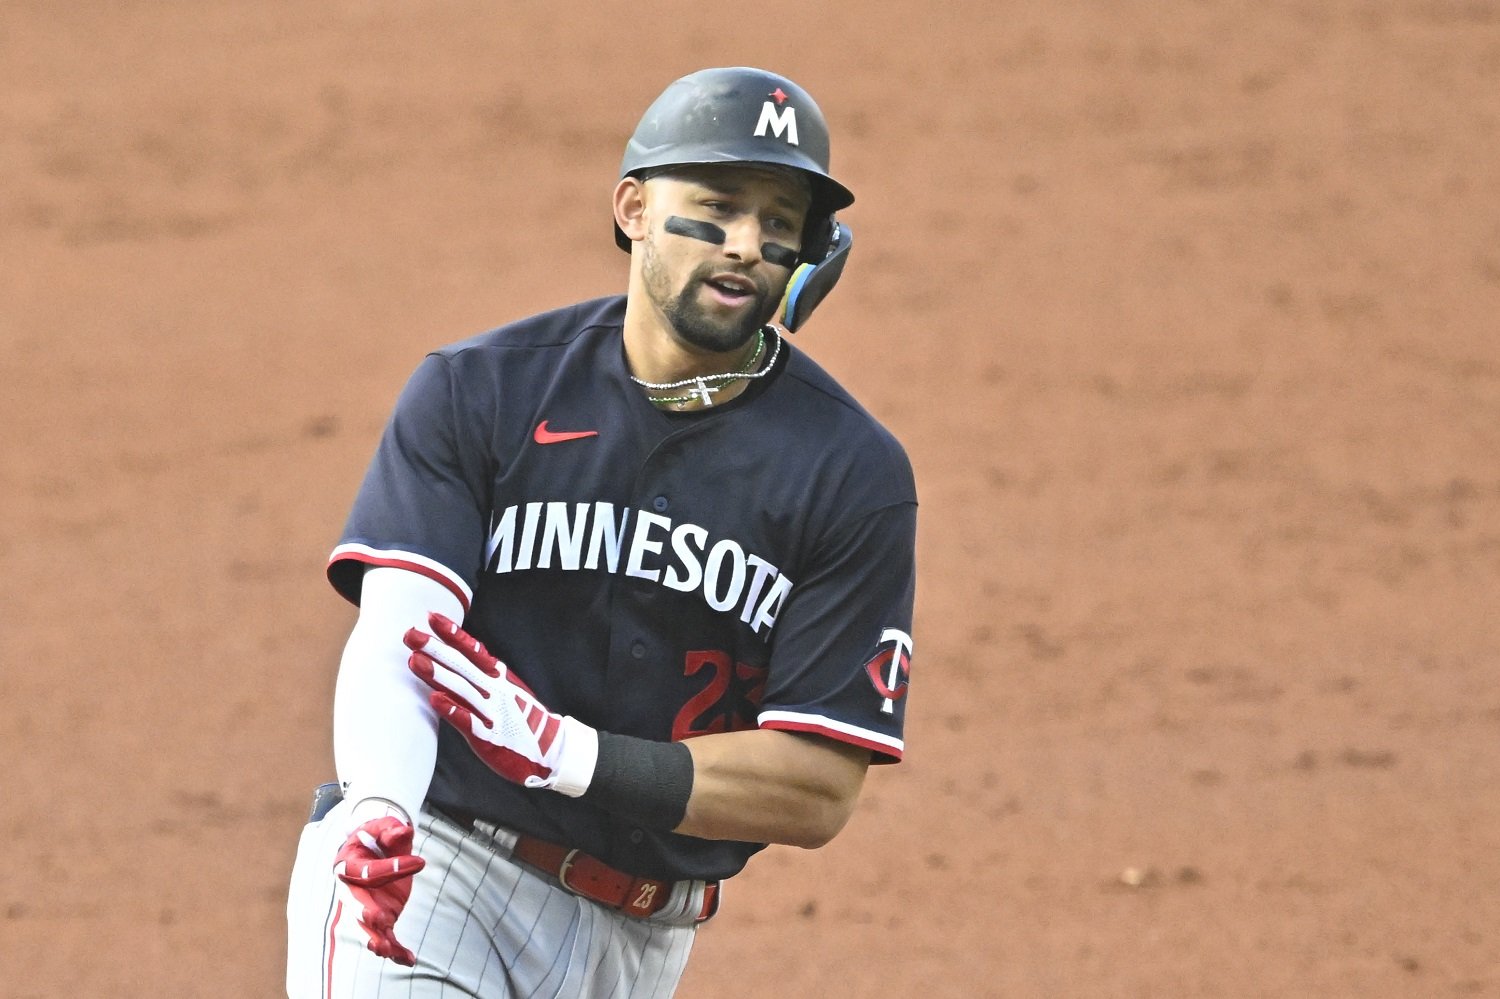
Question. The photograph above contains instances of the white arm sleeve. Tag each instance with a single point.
(384, 730)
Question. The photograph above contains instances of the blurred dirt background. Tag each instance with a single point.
(1186, 312)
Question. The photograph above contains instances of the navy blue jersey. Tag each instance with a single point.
(657, 574)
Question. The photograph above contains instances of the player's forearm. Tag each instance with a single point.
(765, 786)
(758, 786)
(384, 731)
(384, 734)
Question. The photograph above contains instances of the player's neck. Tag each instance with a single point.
(659, 359)
(676, 376)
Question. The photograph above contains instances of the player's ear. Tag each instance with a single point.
(630, 208)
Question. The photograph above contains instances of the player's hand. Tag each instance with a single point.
(497, 713)
(375, 865)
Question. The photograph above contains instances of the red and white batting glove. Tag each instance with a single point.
(376, 866)
(498, 714)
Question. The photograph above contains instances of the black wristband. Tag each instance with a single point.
(644, 781)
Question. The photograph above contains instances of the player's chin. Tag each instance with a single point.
(721, 329)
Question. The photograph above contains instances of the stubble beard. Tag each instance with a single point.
(693, 324)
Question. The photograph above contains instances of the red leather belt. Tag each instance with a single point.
(592, 878)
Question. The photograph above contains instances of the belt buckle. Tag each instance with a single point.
(640, 897)
(562, 873)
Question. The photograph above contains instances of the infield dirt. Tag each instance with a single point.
(1185, 312)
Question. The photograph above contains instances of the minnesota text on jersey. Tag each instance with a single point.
(573, 536)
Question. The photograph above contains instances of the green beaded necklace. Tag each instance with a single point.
(703, 391)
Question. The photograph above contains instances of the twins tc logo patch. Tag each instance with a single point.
(778, 120)
(890, 667)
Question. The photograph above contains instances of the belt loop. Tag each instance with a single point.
(710, 907)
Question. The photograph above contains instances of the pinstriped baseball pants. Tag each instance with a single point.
(481, 925)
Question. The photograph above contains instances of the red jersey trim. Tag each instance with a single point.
(419, 564)
(333, 927)
(887, 749)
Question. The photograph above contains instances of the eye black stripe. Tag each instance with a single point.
(693, 229)
(773, 253)
(779, 255)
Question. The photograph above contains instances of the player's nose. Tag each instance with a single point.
(742, 240)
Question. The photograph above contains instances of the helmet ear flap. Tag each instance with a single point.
(819, 239)
(824, 254)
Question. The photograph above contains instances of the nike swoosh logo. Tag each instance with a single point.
(545, 436)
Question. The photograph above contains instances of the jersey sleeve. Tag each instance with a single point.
(842, 653)
(421, 505)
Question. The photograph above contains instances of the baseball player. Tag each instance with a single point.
(635, 582)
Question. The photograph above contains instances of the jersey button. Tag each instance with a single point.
(638, 650)
(660, 503)
(636, 836)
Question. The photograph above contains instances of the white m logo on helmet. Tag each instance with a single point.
(784, 120)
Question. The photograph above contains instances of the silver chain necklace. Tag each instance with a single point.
(703, 391)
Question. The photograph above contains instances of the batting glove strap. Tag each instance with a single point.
(576, 754)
